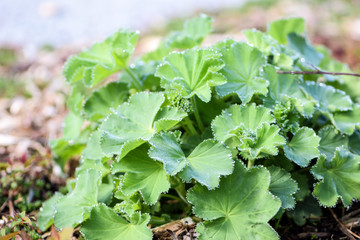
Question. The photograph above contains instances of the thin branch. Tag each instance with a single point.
(352, 223)
(10, 204)
(350, 214)
(344, 229)
(316, 69)
(309, 235)
(318, 72)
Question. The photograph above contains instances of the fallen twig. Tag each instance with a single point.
(344, 229)
(350, 214)
(311, 234)
(318, 72)
(3, 206)
(352, 223)
(10, 204)
(9, 236)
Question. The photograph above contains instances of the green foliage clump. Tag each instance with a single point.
(217, 130)
(12, 226)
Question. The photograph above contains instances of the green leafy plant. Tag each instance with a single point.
(19, 224)
(235, 134)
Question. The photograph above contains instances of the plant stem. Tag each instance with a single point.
(250, 163)
(318, 72)
(190, 126)
(136, 81)
(155, 220)
(278, 222)
(172, 197)
(185, 127)
(197, 115)
(181, 191)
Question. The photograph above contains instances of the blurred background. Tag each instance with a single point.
(57, 22)
(37, 36)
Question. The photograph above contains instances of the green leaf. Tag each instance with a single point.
(269, 47)
(329, 99)
(281, 28)
(330, 140)
(282, 186)
(208, 111)
(303, 147)
(239, 208)
(70, 184)
(263, 143)
(158, 54)
(206, 163)
(339, 177)
(102, 59)
(62, 150)
(346, 122)
(129, 205)
(104, 223)
(284, 88)
(102, 101)
(283, 60)
(168, 117)
(105, 193)
(143, 72)
(279, 161)
(135, 122)
(93, 149)
(75, 207)
(248, 129)
(304, 49)
(98, 164)
(166, 149)
(75, 100)
(287, 117)
(143, 174)
(189, 142)
(194, 32)
(72, 128)
(193, 72)
(45, 217)
(259, 40)
(303, 183)
(242, 68)
(235, 117)
(304, 210)
(349, 84)
(224, 44)
(331, 65)
(354, 141)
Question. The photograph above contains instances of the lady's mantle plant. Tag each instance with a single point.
(216, 132)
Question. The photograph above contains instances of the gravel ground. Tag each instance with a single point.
(67, 22)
